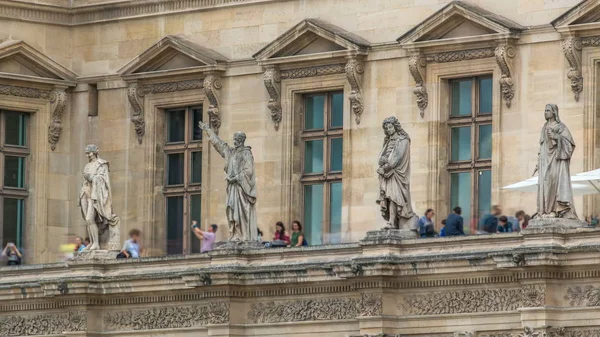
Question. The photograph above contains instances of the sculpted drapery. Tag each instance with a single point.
(555, 194)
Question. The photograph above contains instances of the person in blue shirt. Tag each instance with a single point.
(426, 227)
(443, 230)
(504, 226)
(454, 223)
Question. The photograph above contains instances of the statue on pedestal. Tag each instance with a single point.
(95, 201)
(555, 193)
(394, 177)
(241, 185)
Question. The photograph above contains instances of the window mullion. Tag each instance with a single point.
(326, 209)
(1, 218)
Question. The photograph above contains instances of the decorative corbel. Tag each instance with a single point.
(272, 78)
(133, 94)
(571, 47)
(212, 84)
(354, 70)
(417, 65)
(58, 99)
(504, 55)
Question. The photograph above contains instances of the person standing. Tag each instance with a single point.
(297, 239)
(426, 227)
(12, 254)
(489, 223)
(207, 238)
(443, 230)
(454, 223)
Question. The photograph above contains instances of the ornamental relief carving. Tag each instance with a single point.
(572, 47)
(272, 79)
(504, 55)
(586, 296)
(212, 85)
(354, 70)
(167, 317)
(45, 324)
(329, 69)
(416, 66)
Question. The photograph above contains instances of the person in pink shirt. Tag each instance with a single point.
(280, 233)
(207, 238)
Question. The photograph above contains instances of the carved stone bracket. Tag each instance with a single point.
(58, 98)
(572, 47)
(354, 70)
(272, 78)
(212, 84)
(137, 118)
(504, 55)
(417, 65)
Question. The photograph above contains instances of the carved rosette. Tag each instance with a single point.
(354, 70)
(58, 98)
(572, 47)
(417, 65)
(137, 118)
(272, 78)
(212, 84)
(504, 55)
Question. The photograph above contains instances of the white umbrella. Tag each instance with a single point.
(583, 184)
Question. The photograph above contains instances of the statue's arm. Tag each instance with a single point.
(217, 142)
(396, 155)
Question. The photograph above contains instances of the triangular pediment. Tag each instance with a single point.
(460, 19)
(173, 52)
(19, 58)
(312, 36)
(585, 12)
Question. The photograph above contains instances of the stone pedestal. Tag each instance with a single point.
(547, 225)
(96, 255)
(388, 236)
(238, 245)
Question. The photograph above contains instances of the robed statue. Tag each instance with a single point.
(555, 193)
(394, 177)
(95, 201)
(241, 185)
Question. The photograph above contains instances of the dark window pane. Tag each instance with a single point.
(175, 225)
(461, 143)
(175, 169)
(196, 117)
(485, 141)
(12, 231)
(335, 213)
(337, 110)
(485, 95)
(460, 195)
(313, 156)
(313, 214)
(196, 167)
(484, 192)
(14, 172)
(195, 215)
(16, 127)
(461, 97)
(336, 150)
(175, 126)
(315, 107)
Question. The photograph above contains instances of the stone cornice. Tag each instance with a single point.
(110, 11)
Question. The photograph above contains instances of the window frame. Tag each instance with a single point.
(327, 177)
(188, 188)
(474, 165)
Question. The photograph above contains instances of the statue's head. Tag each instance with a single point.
(238, 139)
(391, 125)
(91, 151)
(551, 112)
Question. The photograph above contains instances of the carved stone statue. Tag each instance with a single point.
(241, 185)
(95, 201)
(394, 177)
(555, 194)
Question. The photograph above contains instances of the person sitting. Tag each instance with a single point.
(297, 239)
(12, 254)
(489, 223)
(207, 238)
(504, 226)
(79, 246)
(86, 242)
(280, 234)
(454, 223)
(443, 230)
(426, 227)
(131, 247)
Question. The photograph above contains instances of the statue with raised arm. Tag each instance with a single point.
(394, 177)
(95, 201)
(241, 185)
(555, 193)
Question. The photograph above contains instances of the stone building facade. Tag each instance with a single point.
(309, 81)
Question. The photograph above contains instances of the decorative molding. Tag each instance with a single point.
(504, 55)
(571, 332)
(159, 88)
(571, 47)
(329, 69)
(137, 118)
(167, 317)
(62, 288)
(44, 324)
(590, 41)
(13, 90)
(460, 55)
(58, 98)
(354, 70)
(464, 334)
(417, 65)
(530, 332)
(371, 304)
(272, 79)
(534, 295)
(212, 84)
(586, 296)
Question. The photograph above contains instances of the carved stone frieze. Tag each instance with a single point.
(272, 79)
(534, 295)
(586, 296)
(417, 65)
(572, 47)
(354, 71)
(590, 41)
(44, 324)
(504, 55)
(460, 55)
(58, 98)
(158, 88)
(18, 91)
(137, 118)
(576, 332)
(530, 332)
(167, 317)
(371, 304)
(212, 84)
(329, 69)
